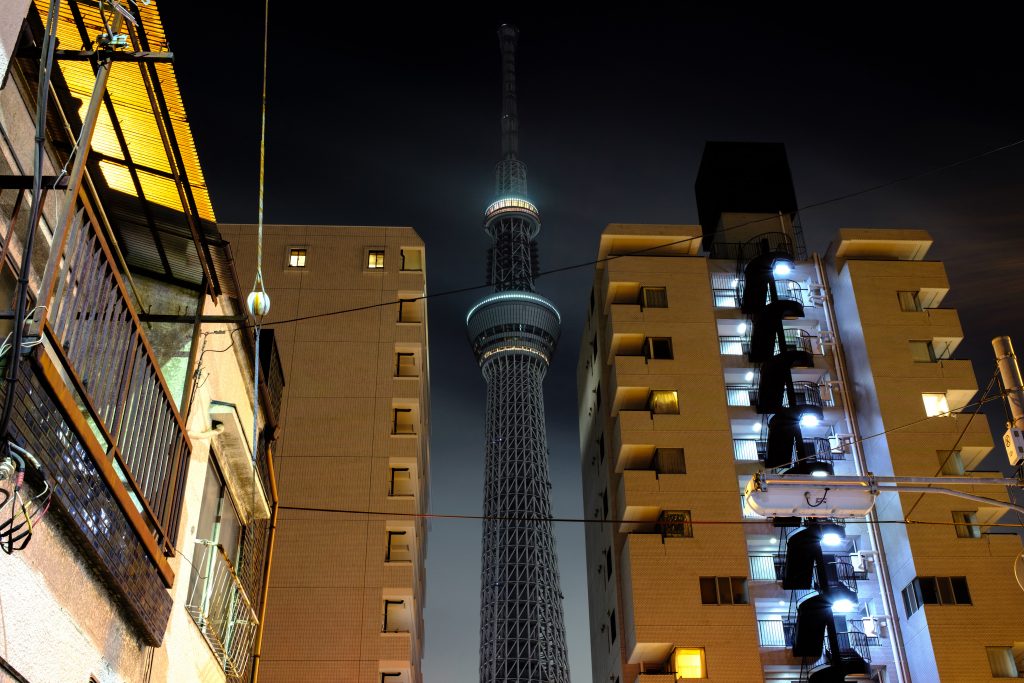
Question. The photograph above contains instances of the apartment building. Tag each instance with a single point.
(138, 496)
(347, 588)
(717, 350)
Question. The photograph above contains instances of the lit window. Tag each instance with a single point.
(375, 259)
(966, 522)
(688, 662)
(653, 297)
(723, 590)
(658, 348)
(676, 524)
(935, 405)
(663, 402)
(922, 352)
(296, 258)
(909, 301)
(1002, 662)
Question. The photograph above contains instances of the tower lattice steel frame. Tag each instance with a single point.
(514, 332)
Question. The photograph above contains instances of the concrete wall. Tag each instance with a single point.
(11, 14)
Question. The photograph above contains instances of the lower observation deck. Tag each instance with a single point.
(513, 322)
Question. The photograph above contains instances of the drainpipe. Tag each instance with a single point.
(258, 649)
(874, 529)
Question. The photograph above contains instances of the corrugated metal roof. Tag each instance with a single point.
(153, 230)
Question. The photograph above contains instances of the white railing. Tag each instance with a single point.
(221, 609)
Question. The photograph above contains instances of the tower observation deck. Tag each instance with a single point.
(514, 331)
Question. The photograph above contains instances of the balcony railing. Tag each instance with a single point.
(732, 345)
(775, 632)
(99, 341)
(752, 450)
(767, 567)
(221, 609)
(746, 450)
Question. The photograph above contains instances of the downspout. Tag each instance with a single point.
(258, 650)
(903, 671)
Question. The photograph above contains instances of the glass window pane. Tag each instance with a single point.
(739, 590)
(1000, 660)
(945, 590)
(922, 351)
(688, 662)
(909, 301)
(960, 590)
(708, 590)
(725, 590)
(669, 461)
(951, 462)
(935, 405)
(929, 594)
(663, 402)
(654, 297)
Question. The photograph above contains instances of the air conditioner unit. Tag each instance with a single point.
(861, 563)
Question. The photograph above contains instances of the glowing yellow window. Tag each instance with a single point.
(375, 259)
(688, 662)
(663, 402)
(296, 258)
(935, 404)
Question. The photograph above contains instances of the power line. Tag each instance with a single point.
(685, 240)
(584, 520)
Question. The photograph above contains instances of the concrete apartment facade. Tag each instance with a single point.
(684, 580)
(133, 405)
(347, 590)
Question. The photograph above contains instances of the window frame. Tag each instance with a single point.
(392, 469)
(675, 524)
(296, 254)
(649, 348)
(914, 303)
(399, 355)
(965, 522)
(718, 582)
(659, 298)
(929, 348)
(374, 260)
(395, 411)
(652, 397)
(936, 410)
(391, 533)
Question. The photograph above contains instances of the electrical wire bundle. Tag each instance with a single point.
(25, 513)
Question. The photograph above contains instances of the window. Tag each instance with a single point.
(600, 446)
(410, 310)
(689, 662)
(597, 392)
(402, 421)
(966, 522)
(669, 461)
(296, 258)
(604, 504)
(608, 564)
(395, 617)
(593, 348)
(412, 259)
(951, 462)
(922, 352)
(935, 590)
(405, 364)
(663, 402)
(390, 677)
(613, 626)
(592, 300)
(375, 259)
(1002, 662)
(400, 481)
(935, 405)
(723, 590)
(676, 524)
(218, 524)
(398, 547)
(659, 348)
(909, 301)
(653, 297)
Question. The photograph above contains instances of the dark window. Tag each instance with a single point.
(613, 626)
(600, 446)
(597, 392)
(593, 301)
(387, 677)
(936, 590)
(604, 503)
(659, 348)
(723, 590)
(909, 301)
(608, 564)
(593, 347)
(676, 524)
(669, 461)
(653, 297)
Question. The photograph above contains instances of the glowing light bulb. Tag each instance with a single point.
(773, 540)
(831, 538)
(741, 328)
(782, 268)
(843, 605)
(782, 602)
(749, 376)
(735, 281)
(809, 420)
(819, 474)
(756, 427)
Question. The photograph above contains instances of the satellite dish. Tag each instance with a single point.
(1018, 569)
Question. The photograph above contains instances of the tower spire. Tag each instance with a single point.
(508, 37)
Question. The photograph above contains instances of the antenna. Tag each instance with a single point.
(510, 172)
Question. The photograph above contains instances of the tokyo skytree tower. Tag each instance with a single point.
(514, 332)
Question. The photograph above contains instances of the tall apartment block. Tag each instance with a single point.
(346, 590)
(714, 351)
(137, 500)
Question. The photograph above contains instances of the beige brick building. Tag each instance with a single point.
(687, 582)
(346, 590)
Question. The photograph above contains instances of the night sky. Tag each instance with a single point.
(392, 119)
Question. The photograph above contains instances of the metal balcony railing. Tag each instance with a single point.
(739, 394)
(775, 632)
(746, 450)
(97, 336)
(765, 567)
(221, 609)
(732, 345)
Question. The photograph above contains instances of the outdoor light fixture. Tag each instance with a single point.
(749, 376)
(756, 427)
(773, 540)
(782, 268)
(809, 420)
(831, 538)
(843, 605)
(820, 474)
(742, 328)
(735, 281)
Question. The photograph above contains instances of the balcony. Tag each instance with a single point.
(767, 567)
(753, 450)
(222, 610)
(775, 632)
